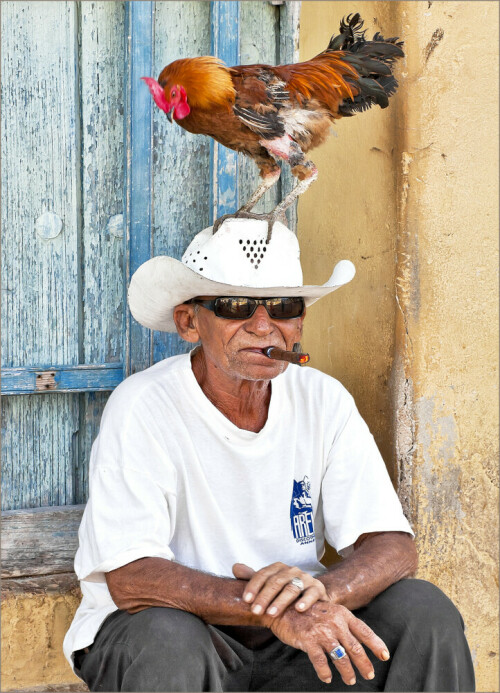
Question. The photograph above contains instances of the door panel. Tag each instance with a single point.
(94, 181)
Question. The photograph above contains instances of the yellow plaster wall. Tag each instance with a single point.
(410, 195)
(33, 630)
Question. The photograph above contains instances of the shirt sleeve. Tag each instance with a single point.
(132, 496)
(358, 495)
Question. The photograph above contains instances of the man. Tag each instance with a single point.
(215, 479)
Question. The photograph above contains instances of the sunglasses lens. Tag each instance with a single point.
(241, 307)
(234, 308)
(285, 308)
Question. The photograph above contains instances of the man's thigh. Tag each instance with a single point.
(161, 649)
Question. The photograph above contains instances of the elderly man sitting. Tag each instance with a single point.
(214, 481)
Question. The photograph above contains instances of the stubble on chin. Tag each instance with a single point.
(253, 371)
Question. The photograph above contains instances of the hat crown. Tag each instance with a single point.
(239, 253)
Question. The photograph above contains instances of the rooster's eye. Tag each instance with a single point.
(173, 93)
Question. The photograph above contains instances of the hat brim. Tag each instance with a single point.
(163, 282)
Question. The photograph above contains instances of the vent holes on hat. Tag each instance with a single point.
(204, 258)
(264, 249)
(240, 241)
(248, 254)
(251, 260)
(201, 269)
(244, 247)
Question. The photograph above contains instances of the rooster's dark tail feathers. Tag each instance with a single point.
(373, 60)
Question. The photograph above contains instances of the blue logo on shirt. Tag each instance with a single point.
(301, 512)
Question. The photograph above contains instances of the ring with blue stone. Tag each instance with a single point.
(337, 652)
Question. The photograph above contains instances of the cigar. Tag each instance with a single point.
(282, 355)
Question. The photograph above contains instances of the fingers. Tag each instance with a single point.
(344, 667)
(317, 592)
(320, 663)
(355, 655)
(270, 589)
(355, 652)
(365, 635)
(242, 571)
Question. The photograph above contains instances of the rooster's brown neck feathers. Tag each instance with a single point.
(207, 81)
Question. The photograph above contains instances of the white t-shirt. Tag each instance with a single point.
(172, 477)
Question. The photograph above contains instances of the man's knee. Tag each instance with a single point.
(421, 602)
(160, 629)
(415, 604)
(156, 649)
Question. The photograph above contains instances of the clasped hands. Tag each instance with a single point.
(310, 620)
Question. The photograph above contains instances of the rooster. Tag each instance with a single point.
(280, 113)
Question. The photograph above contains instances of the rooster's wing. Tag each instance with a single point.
(261, 99)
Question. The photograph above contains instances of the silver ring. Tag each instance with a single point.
(297, 582)
(337, 652)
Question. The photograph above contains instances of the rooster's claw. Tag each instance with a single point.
(270, 218)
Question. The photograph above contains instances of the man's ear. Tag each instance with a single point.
(185, 321)
(300, 324)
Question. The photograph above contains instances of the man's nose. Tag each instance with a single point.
(260, 322)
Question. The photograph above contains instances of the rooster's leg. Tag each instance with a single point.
(303, 169)
(268, 181)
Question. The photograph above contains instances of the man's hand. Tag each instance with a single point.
(270, 589)
(324, 626)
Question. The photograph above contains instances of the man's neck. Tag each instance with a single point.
(244, 402)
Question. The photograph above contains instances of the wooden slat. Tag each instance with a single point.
(138, 118)
(259, 42)
(58, 583)
(181, 160)
(19, 381)
(92, 407)
(40, 174)
(39, 450)
(102, 65)
(289, 19)
(42, 541)
(225, 31)
(102, 69)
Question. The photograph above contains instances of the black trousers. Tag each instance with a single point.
(162, 649)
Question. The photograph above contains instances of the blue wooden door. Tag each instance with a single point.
(95, 181)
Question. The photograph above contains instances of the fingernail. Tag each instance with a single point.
(272, 610)
(257, 609)
(371, 675)
(352, 682)
(248, 597)
(301, 606)
(385, 655)
(328, 680)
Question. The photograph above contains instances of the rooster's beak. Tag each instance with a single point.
(169, 113)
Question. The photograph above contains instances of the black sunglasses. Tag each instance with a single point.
(242, 307)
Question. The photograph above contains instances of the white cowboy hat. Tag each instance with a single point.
(238, 260)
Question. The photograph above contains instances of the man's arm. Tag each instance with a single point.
(378, 561)
(160, 582)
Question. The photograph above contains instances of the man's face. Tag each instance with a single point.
(235, 346)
